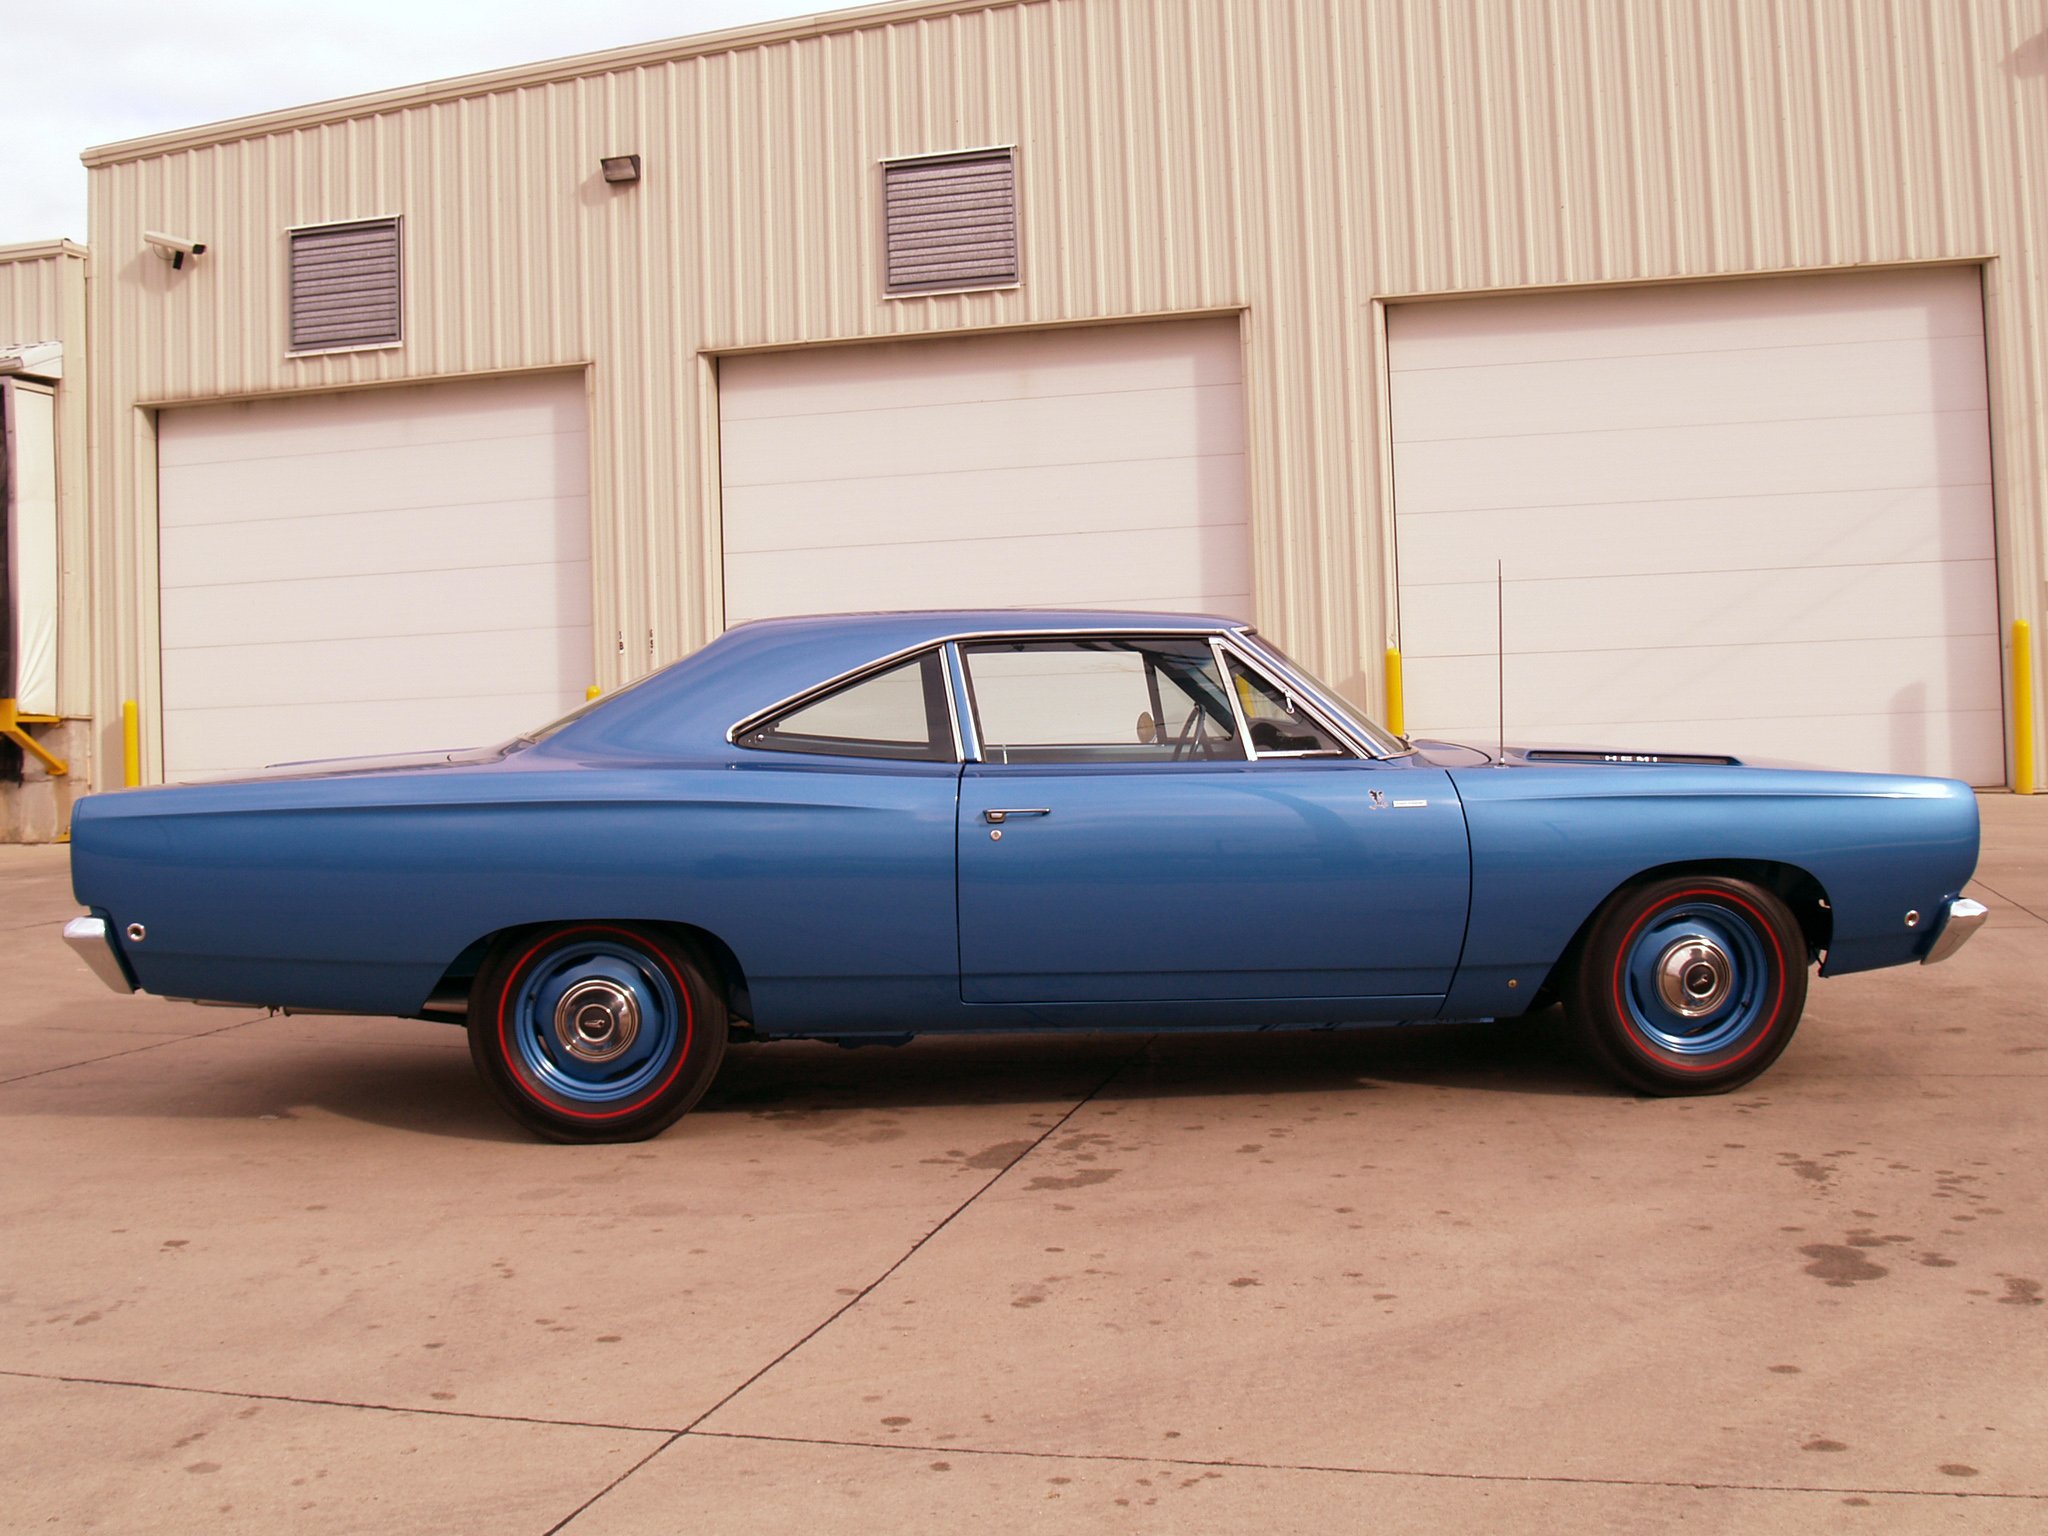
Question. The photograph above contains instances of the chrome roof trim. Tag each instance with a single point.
(1140, 631)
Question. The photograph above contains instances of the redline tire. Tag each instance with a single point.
(1691, 984)
(595, 1032)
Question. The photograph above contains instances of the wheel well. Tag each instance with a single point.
(1803, 895)
(450, 997)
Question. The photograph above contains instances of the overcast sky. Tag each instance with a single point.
(87, 72)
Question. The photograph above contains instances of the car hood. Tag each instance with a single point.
(1452, 754)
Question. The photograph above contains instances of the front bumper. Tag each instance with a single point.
(95, 946)
(1964, 918)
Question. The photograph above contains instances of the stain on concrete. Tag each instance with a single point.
(896, 1420)
(1934, 1260)
(942, 1466)
(1001, 1155)
(2020, 1292)
(203, 1466)
(1839, 1265)
(1810, 1169)
(1823, 1445)
(1958, 1469)
(1785, 1370)
(1028, 1299)
(1241, 1282)
(1079, 1180)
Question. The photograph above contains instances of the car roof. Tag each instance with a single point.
(687, 708)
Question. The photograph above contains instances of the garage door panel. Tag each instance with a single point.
(1725, 511)
(1652, 321)
(1052, 364)
(1064, 498)
(419, 603)
(407, 477)
(1100, 467)
(476, 537)
(1709, 608)
(1876, 453)
(1929, 523)
(494, 410)
(1558, 695)
(1145, 424)
(1097, 569)
(1776, 383)
(393, 669)
(375, 571)
(235, 740)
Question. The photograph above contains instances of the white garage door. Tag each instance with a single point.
(381, 571)
(1747, 517)
(1097, 468)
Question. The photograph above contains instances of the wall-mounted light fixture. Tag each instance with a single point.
(173, 248)
(620, 168)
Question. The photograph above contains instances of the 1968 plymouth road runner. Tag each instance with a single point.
(872, 826)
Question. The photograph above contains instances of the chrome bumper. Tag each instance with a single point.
(95, 946)
(1965, 917)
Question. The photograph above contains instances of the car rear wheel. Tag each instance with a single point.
(595, 1031)
(1689, 985)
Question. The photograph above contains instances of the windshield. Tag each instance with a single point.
(1380, 739)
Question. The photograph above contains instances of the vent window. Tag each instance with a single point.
(950, 221)
(344, 289)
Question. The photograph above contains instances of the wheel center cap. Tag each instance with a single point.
(1694, 977)
(597, 1020)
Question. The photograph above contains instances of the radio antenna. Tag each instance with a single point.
(1500, 659)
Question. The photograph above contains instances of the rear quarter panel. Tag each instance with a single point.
(1550, 844)
(355, 894)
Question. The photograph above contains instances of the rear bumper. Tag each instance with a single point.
(1964, 918)
(95, 946)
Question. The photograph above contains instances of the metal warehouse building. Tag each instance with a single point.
(1720, 325)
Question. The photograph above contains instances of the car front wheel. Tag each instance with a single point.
(1689, 985)
(595, 1031)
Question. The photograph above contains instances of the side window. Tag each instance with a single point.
(1279, 727)
(900, 713)
(1100, 701)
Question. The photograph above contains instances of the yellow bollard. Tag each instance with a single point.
(131, 744)
(1397, 709)
(591, 692)
(2022, 708)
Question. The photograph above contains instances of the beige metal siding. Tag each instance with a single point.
(42, 298)
(1300, 159)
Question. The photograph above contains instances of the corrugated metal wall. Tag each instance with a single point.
(42, 298)
(1306, 160)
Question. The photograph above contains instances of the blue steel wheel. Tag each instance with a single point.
(1691, 984)
(595, 1031)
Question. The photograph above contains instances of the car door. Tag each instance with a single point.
(1121, 840)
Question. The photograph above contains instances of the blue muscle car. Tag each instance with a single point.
(871, 826)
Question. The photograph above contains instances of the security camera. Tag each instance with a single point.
(173, 248)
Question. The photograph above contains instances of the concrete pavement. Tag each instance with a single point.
(298, 1273)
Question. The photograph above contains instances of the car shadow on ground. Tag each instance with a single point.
(1522, 1056)
(431, 1088)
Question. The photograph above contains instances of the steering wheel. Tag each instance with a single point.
(1193, 738)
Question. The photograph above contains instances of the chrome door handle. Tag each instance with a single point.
(997, 818)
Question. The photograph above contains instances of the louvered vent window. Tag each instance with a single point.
(951, 221)
(345, 286)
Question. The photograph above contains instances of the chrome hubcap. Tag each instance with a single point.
(1694, 977)
(597, 1020)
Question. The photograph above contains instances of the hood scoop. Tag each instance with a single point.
(1682, 759)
